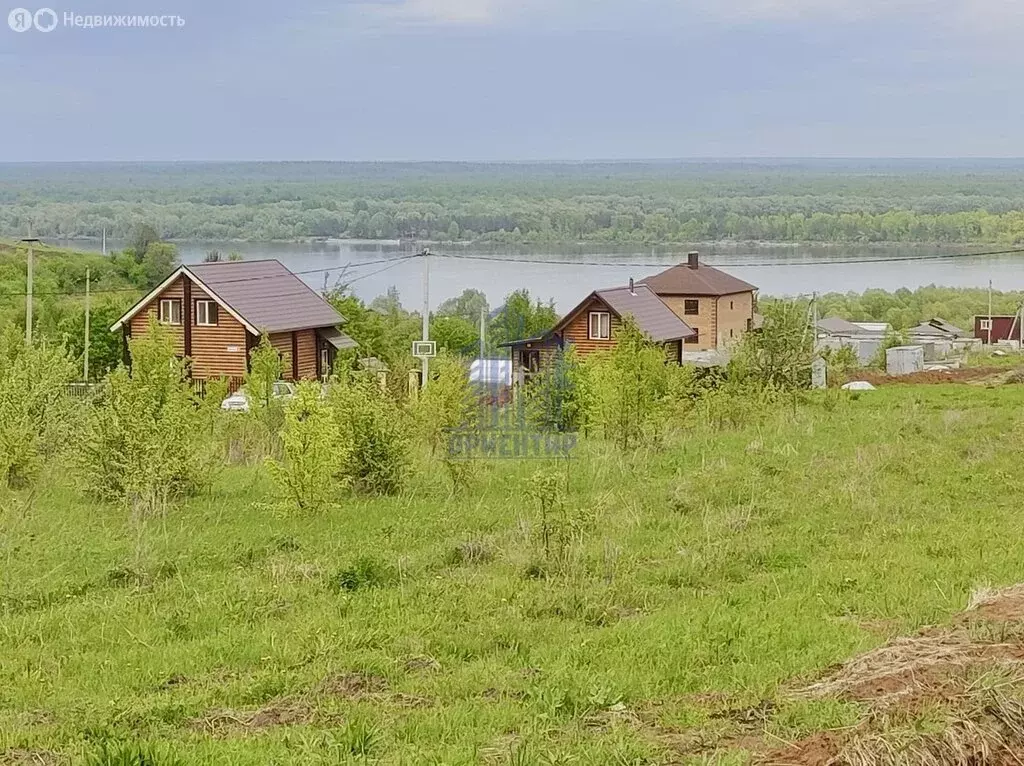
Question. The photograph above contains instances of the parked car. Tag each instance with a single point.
(239, 401)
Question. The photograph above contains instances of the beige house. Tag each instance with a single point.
(718, 306)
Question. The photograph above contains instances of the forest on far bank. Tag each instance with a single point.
(949, 202)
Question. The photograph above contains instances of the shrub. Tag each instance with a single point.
(779, 354)
(631, 388)
(148, 439)
(562, 397)
(372, 432)
(132, 755)
(446, 404)
(365, 572)
(34, 408)
(309, 474)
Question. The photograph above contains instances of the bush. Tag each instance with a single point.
(366, 572)
(309, 474)
(562, 397)
(373, 434)
(149, 440)
(34, 408)
(632, 386)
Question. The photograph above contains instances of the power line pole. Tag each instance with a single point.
(426, 313)
(483, 332)
(85, 364)
(990, 312)
(30, 241)
(814, 327)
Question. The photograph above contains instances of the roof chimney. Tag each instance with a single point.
(631, 290)
(693, 259)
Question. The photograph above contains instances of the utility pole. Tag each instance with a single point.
(483, 332)
(104, 240)
(85, 364)
(30, 241)
(425, 255)
(814, 327)
(990, 312)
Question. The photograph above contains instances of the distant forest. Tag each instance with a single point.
(617, 202)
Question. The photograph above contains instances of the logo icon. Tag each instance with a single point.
(20, 20)
(45, 20)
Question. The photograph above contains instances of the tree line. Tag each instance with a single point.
(646, 203)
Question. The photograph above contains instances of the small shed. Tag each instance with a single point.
(904, 360)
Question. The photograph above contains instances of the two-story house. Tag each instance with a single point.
(217, 312)
(689, 307)
(718, 306)
(593, 324)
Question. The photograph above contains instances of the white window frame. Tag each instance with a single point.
(206, 308)
(986, 325)
(170, 303)
(604, 323)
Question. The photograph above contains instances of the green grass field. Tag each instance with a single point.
(433, 628)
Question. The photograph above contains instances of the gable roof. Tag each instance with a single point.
(839, 326)
(263, 295)
(683, 279)
(651, 314)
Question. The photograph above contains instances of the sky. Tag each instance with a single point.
(524, 80)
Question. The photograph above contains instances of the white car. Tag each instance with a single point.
(239, 401)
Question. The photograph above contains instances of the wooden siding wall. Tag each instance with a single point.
(140, 322)
(217, 351)
(578, 330)
(212, 355)
(307, 354)
(282, 341)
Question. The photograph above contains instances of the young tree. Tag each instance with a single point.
(631, 387)
(148, 439)
(521, 317)
(779, 354)
(373, 434)
(34, 410)
(562, 397)
(265, 369)
(309, 474)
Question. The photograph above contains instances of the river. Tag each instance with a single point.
(776, 270)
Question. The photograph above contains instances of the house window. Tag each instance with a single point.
(732, 305)
(170, 311)
(600, 325)
(207, 313)
(986, 324)
(730, 332)
(691, 308)
(693, 339)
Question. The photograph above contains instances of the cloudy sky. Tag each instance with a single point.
(517, 80)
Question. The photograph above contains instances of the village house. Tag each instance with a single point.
(688, 308)
(718, 306)
(217, 312)
(998, 329)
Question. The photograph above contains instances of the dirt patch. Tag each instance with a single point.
(19, 757)
(972, 687)
(422, 664)
(234, 722)
(354, 686)
(963, 375)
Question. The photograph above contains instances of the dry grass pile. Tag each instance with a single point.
(947, 697)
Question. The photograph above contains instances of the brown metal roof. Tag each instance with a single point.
(651, 315)
(702, 280)
(267, 295)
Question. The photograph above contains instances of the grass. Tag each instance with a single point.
(687, 588)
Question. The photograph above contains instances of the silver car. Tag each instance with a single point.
(239, 401)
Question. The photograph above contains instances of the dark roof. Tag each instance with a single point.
(839, 326)
(702, 280)
(338, 339)
(651, 314)
(946, 327)
(267, 295)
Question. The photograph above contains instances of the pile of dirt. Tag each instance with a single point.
(966, 680)
(984, 375)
